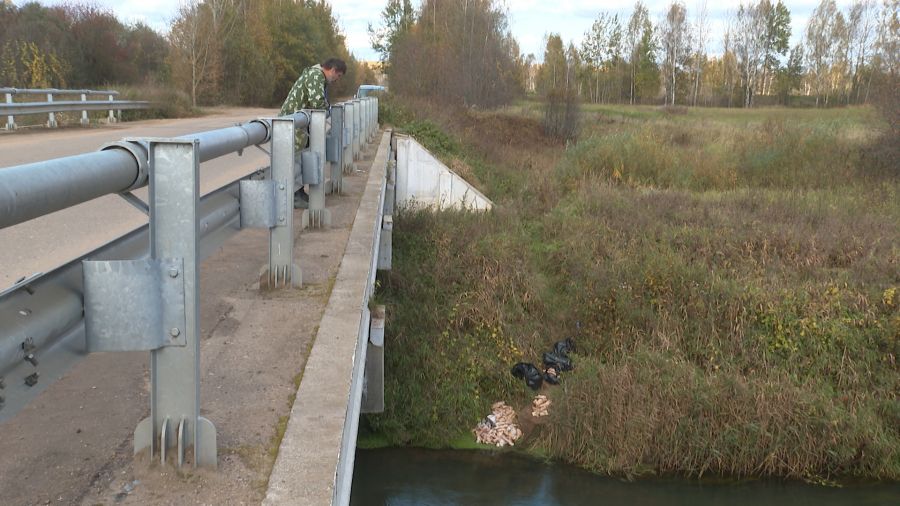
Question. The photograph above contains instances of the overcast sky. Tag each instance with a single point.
(530, 20)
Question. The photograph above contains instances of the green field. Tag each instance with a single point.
(864, 116)
(732, 279)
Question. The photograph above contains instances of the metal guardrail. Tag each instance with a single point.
(124, 296)
(55, 91)
(11, 109)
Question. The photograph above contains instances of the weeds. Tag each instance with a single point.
(735, 279)
(166, 102)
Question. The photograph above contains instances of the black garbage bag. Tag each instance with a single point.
(560, 362)
(564, 347)
(531, 374)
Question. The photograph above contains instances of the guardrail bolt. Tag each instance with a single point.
(173, 273)
(174, 332)
(281, 187)
(31, 359)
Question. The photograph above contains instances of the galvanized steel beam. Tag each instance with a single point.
(175, 371)
(44, 312)
(54, 91)
(357, 117)
(53, 333)
(349, 113)
(283, 272)
(35, 189)
(50, 106)
(316, 216)
(335, 148)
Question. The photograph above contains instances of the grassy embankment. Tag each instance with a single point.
(736, 275)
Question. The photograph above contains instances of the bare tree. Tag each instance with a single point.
(862, 23)
(820, 48)
(195, 38)
(889, 37)
(634, 35)
(397, 19)
(749, 45)
(675, 38)
(701, 30)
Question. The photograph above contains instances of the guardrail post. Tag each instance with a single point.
(10, 120)
(282, 269)
(357, 117)
(362, 127)
(367, 126)
(51, 117)
(368, 118)
(363, 141)
(111, 118)
(375, 118)
(372, 123)
(349, 113)
(369, 132)
(335, 148)
(175, 420)
(316, 216)
(84, 115)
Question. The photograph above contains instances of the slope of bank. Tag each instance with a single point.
(732, 285)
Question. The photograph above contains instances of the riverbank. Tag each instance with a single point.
(731, 282)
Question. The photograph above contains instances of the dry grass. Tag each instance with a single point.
(736, 287)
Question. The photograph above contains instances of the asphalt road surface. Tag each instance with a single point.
(44, 243)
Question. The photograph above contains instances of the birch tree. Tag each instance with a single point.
(701, 30)
(196, 32)
(675, 39)
(749, 46)
(638, 25)
(819, 48)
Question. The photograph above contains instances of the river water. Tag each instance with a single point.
(407, 477)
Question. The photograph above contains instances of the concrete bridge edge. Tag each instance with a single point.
(309, 458)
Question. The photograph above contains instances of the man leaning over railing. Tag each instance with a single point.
(310, 91)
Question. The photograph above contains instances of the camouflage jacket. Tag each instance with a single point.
(308, 92)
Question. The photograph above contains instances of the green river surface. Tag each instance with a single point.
(410, 476)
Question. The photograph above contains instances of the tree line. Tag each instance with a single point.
(217, 51)
(454, 51)
(74, 45)
(843, 56)
(462, 51)
(250, 52)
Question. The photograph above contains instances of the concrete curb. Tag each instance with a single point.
(310, 453)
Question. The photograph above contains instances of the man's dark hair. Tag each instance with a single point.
(335, 64)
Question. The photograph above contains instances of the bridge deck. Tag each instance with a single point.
(73, 445)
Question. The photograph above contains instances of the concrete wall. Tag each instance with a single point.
(423, 180)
